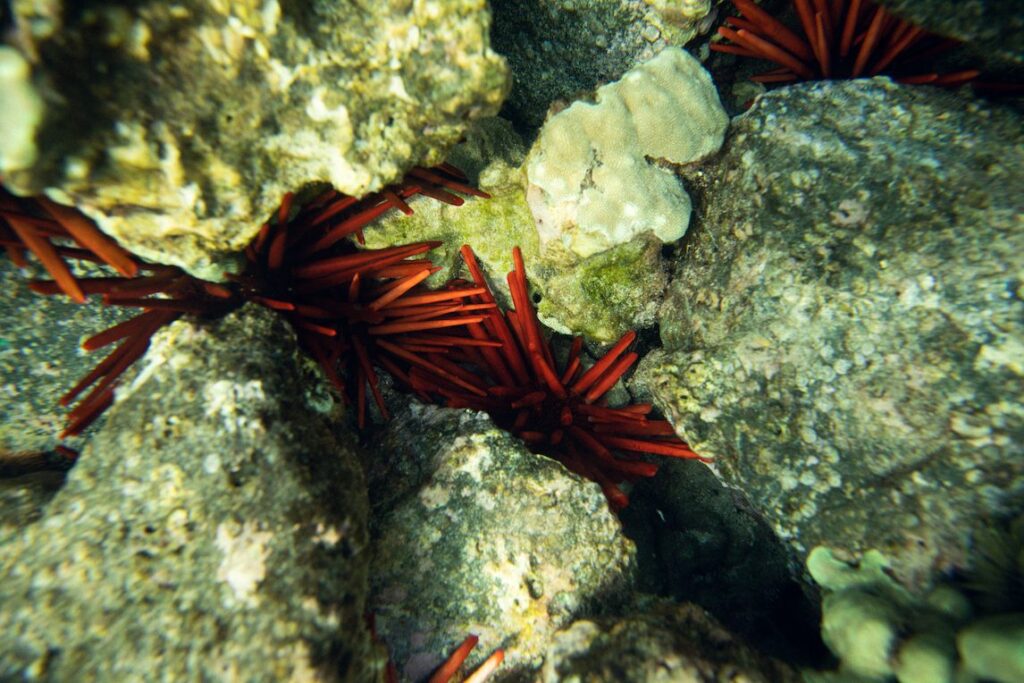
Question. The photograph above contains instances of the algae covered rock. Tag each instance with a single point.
(213, 529)
(664, 642)
(179, 126)
(560, 48)
(475, 534)
(593, 180)
(844, 335)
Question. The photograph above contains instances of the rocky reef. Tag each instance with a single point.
(332, 459)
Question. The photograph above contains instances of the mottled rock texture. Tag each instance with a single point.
(663, 643)
(993, 24)
(214, 529)
(40, 354)
(179, 126)
(845, 332)
(475, 534)
(558, 49)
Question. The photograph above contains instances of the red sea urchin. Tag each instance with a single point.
(451, 666)
(346, 305)
(840, 39)
(562, 412)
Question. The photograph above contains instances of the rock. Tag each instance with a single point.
(179, 126)
(678, 643)
(994, 25)
(592, 183)
(560, 48)
(601, 297)
(844, 334)
(475, 534)
(213, 529)
(698, 541)
(606, 295)
(40, 355)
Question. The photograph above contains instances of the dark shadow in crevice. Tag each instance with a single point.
(699, 542)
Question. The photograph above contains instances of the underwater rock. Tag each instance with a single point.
(179, 126)
(666, 642)
(593, 175)
(698, 541)
(475, 534)
(993, 25)
(40, 355)
(560, 48)
(845, 333)
(213, 529)
(601, 298)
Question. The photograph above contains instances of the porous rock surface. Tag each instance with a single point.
(40, 354)
(214, 529)
(593, 177)
(179, 126)
(662, 643)
(844, 334)
(475, 534)
(558, 49)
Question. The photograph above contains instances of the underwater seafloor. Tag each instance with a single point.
(788, 444)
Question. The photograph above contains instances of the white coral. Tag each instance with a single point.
(592, 183)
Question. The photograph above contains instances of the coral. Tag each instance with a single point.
(878, 629)
(841, 39)
(591, 184)
(20, 114)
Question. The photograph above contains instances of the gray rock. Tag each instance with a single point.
(213, 529)
(475, 534)
(558, 49)
(845, 332)
(179, 126)
(665, 643)
(40, 354)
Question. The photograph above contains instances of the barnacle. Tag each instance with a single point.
(839, 39)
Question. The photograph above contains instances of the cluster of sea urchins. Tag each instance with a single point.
(357, 311)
